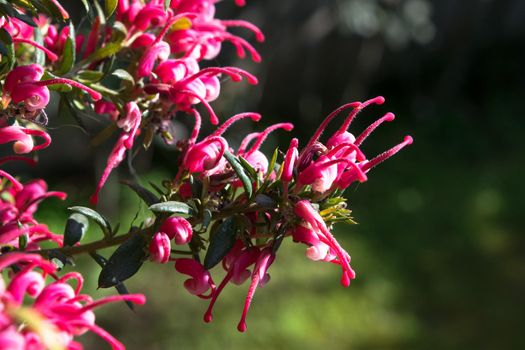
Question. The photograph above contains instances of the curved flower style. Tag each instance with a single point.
(57, 312)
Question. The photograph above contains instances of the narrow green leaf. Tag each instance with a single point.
(206, 219)
(76, 227)
(99, 219)
(106, 51)
(271, 166)
(124, 263)
(22, 241)
(50, 8)
(221, 242)
(110, 7)
(89, 76)
(68, 54)
(7, 50)
(172, 207)
(239, 170)
(124, 76)
(248, 167)
(145, 194)
(167, 4)
(40, 56)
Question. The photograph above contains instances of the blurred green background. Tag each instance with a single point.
(439, 248)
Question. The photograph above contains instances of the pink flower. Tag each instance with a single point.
(207, 154)
(200, 281)
(341, 162)
(160, 248)
(304, 210)
(130, 123)
(259, 278)
(236, 263)
(177, 228)
(317, 250)
(114, 159)
(23, 141)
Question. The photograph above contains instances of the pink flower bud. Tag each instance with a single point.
(177, 228)
(289, 161)
(158, 52)
(34, 97)
(150, 15)
(143, 40)
(205, 155)
(160, 248)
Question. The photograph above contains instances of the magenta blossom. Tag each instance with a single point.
(56, 312)
(207, 154)
(304, 210)
(200, 281)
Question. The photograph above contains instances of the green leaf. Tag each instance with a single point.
(124, 263)
(239, 170)
(221, 242)
(40, 56)
(119, 32)
(172, 207)
(89, 76)
(22, 241)
(68, 54)
(110, 7)
(145, 194)
(99, 219)
(50, 8)
(121, 288)
(76, 227)
(167, 4)
(7, 50)
(106, 51)
(271, 166)
(206, 219)
(265, 201)
(248, 167)
(124, 76)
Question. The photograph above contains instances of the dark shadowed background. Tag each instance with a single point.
(439, 248)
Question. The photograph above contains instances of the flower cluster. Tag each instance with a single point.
(138, 68)
(288, 201)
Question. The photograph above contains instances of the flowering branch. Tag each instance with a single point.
(228, 207)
